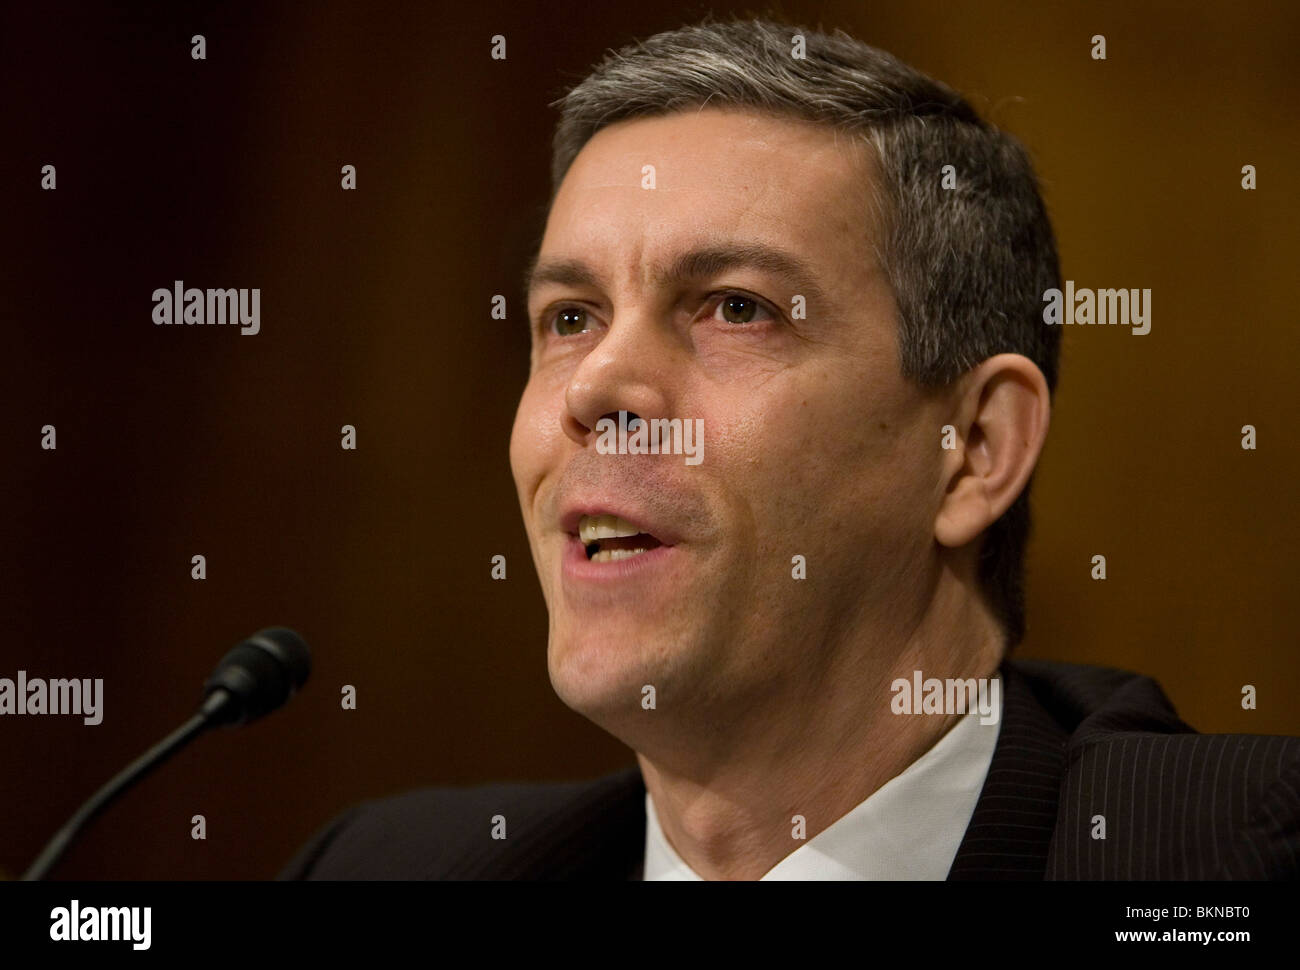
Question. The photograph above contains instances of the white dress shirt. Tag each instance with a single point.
(910, 828)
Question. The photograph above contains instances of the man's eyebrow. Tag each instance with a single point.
(562, 272)
(693, 265)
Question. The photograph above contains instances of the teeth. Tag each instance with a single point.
(614, 555)
(593, 527)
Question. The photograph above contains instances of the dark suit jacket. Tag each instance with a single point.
(1076, 742)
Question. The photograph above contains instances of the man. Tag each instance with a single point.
(790, 380)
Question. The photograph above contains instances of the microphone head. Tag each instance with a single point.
(257, 676)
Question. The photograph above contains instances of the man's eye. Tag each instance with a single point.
(739, 309)
(570, 320)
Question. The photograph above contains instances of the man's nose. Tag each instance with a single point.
(631, 369)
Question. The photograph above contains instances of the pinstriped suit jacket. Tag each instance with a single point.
(1076, 743)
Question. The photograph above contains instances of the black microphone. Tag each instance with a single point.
(253, 679)
(256, 677)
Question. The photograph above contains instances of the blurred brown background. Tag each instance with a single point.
(174, 441)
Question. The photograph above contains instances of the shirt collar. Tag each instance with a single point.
(909, 828)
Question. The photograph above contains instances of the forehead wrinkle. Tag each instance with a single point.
(704, 261)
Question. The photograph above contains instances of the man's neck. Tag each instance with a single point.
(735, 817)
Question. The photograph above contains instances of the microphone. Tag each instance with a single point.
(256, 677)
(253, 679)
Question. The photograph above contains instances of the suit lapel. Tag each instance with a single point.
(1011, 828)
(599, 834)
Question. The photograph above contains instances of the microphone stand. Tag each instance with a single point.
(123, 780)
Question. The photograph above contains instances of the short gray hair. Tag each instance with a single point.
(968, 265)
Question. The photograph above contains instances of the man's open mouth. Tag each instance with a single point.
(607, 538)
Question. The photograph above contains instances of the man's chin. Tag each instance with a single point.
(603, 673)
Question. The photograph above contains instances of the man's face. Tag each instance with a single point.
(814, 446)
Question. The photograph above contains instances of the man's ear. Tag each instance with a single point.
(1001, 413)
